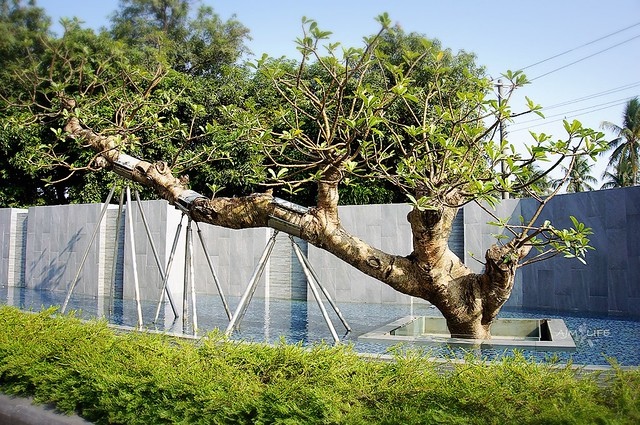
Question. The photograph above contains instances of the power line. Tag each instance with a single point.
(617, 101)
(581, 46)
(592, 96)
(626, 99)
(582, 99)
(564, 117)
(584, 58)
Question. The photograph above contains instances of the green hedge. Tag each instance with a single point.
(141, 378)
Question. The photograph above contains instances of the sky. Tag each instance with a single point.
(585, 53)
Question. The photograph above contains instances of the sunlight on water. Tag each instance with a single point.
(269, 320)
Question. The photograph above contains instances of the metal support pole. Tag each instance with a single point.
(154, 250)
(316, 295)
(251, 287)
(306, 262)
(74, 282)
(192, 279)
(134, 261)
(168, 270)
(114, 263)
(213, 272)
(187, 275)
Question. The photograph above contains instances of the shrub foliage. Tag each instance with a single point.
(144, 378)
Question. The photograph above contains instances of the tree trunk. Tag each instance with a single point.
(468, 301)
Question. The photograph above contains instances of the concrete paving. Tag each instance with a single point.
(22, 411)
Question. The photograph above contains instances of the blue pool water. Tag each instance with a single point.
(270, 320)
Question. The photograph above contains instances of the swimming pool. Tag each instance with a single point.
(270, 319)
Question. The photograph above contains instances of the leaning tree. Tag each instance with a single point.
(399, 110)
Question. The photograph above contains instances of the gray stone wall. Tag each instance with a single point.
(610, 281)
(479, 236)
(383, 226)
(57, 238)
(234, 255)
(49, 253)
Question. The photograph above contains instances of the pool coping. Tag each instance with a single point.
(561, 339)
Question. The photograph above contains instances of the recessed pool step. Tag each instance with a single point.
(531, 334)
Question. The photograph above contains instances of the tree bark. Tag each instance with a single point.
(468, 301)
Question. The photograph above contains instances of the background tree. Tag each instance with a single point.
(22, 29)
(399, 110)
(200, 52)
(168, 113)
(625, 158)
(539, 185)
(618, 177)
(202, 44)
(579, 178)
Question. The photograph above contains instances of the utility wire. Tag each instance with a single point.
(579, 47)
(564, 114)
(564, 117)
(586, 57)
(578, 110)
(621, 88)
(591, 96)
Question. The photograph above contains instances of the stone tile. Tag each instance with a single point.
(545, 289)
(617, 294)
(615, 210)
(396, 246)
(372, 214)
(393, 219)
(373, 235)
(529, 286)
(389, 295)
(562, 281)
(595, 207)
(514, 301)
(633, 281)
(518, 287)
(563, 303)
(528, 207)
(616, 249)
(632, 200)
(633, 305)
(598, 288)
(365, 291)
(579, 297)
(633, 244)
(598, 304)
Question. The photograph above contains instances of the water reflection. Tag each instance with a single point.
(269, 319)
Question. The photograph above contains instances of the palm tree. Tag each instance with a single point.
(625, 158)
(532, 182)
(579, 176)
(618, 177)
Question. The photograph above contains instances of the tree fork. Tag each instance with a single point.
(318, 226)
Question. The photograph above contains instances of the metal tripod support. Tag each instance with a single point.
(312, 281)
(115, 257)
(189, 275)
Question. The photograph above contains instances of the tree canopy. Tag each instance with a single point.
(399, 118)
(161, 99)
(202, 45)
